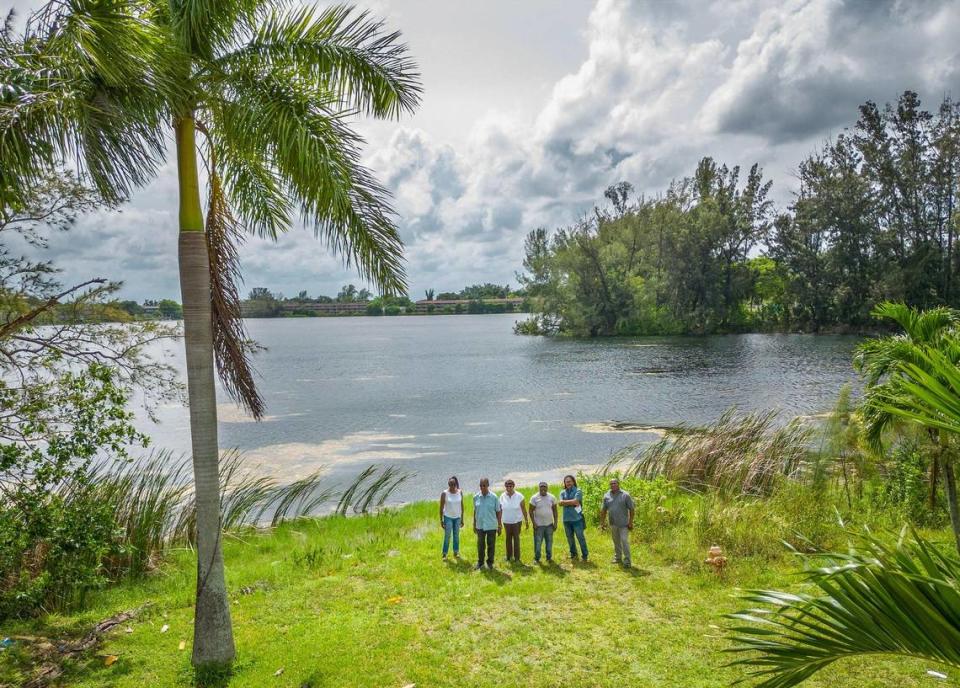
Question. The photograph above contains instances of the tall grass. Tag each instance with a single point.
(739, 454)
(153, 503)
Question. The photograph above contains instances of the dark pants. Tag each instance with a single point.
(543, 535)
(574, 531)
(486, 544)
(512, 531)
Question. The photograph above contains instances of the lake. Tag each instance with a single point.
(462, 395)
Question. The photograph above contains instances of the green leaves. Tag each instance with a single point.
(901, 599)
(913, 375)
(339, 51)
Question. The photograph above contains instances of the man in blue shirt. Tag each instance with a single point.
(487, 522)
(571, 499)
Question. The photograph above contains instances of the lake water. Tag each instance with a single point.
(463, 395)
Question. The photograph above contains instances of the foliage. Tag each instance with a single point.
(171, 310)
(88, 524)
(913, 376)
(47, 327)
(905, 486)
(901, 599)
(874, 219)
(55, 533)
(738, 454)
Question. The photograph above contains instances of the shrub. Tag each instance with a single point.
(905, 489)
(55, 532)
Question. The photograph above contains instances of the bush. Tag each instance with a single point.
(905, 489)
(55, 531)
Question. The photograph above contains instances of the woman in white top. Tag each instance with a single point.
(514, 511)
(451, 515)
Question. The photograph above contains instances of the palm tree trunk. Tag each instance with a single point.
(212, 629)
(950, 483)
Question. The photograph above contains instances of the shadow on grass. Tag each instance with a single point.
(458, 565)
(497, 576)
(583, 564)
(552, 568)
(635, 572)
(520, 568)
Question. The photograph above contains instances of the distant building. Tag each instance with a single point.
(151, 307)
(425, 306)
(334, 308)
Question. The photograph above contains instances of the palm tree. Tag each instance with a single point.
(901, 599)
(886, 364)
(270, 90)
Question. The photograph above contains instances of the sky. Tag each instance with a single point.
(532, 108)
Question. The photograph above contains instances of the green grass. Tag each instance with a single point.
(367, 601)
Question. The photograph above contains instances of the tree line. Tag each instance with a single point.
(873, 220)
(263, 303)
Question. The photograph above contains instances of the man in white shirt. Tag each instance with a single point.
(543, 512)
(514, 511)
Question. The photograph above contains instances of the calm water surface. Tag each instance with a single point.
(463, 395)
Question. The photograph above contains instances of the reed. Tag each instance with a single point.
(153, 504)
(739, 454)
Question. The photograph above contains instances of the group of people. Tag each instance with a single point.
(508, 513)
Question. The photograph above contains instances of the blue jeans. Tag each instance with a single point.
(575, 528)
(451, 526)
(541, 535)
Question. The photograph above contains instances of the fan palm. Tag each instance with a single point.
(269, 89)
(902, 599)
(886, 363)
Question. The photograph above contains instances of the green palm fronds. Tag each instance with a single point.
(900, 599)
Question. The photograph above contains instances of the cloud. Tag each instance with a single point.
(659, 86)
(805, 66)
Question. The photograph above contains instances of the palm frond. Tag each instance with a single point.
(343, 52)
(84, 87)
(901, 599)
(314, 152)
(232, 347)
(204, 28)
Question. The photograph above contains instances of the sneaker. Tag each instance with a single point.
(536, 560)
(478, 567)
(456, 555)
(614, 561)
(490, 567)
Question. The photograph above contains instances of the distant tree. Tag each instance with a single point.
(364, 295)
(536, 262)
(131, 307)
(375, 306)
(448, 296)
(171, 310)
(303, 296)
(260, 293)
(429, 294)
(347, 294)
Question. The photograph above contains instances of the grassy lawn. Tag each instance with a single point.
(368, 601)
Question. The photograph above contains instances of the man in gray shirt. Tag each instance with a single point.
(618, 506)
